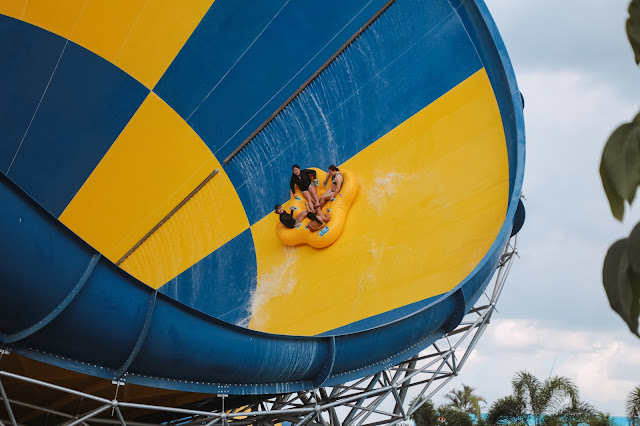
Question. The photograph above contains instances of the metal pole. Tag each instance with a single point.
(305, 419)
(169, 409)
(56, 387)
(122, 422)
(403, 391)
(12, 418)
(89, 415)
(35, 407)
(333, 415)
(367, 411)
(370, 386)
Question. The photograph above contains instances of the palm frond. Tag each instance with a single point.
(633, 406)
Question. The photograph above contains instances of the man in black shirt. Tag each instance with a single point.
(305, 179)
(287, 218)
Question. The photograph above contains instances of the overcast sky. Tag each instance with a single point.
(576, 70)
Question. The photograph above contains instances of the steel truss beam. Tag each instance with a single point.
(379, 399)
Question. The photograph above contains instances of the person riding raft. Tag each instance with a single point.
(317, 220)
(336, 185)
(305, 179)
(287, 218)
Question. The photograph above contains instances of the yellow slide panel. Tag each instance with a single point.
(142, 37)
(59, 17)
(433, 196)
(211, 218)
(153, 165)
(104, 26)
(13, 8)
(162, 29)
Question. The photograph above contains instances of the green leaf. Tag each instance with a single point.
(633, 249)
(633, 255)
(621, 284)
(633, 28)
(633, 159)
(620, 166)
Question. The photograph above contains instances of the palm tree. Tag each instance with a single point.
(633, 407)
(601, 419)
(465, 400)
(546, 397)
(425, 414)
(450, 416)
(572, 415)
(508, 411)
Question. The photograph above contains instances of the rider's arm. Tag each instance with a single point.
(292, 184)
(339, 182)
(310, 172)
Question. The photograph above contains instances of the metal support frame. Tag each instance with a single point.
(379, 399)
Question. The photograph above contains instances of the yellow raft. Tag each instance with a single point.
(337, 210)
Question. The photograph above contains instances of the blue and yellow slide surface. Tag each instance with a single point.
(138, 238)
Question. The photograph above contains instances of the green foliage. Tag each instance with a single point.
(552, 402)
(621, 278)
(601, 419)
(552, 420)
(620, 174)
(453, 416)
(508, 411)
(620, 166)
(465, 400)
(543, 398)
(572, 415)
(426, 414)
(585, 414)
(633, 28)
(633, 407)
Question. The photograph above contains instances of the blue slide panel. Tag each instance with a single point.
(102, 323)
(224, 33)
(478, 22)
(215, 350)
(374, 86)
(221, 284)
(374, 354)
(27, 60)
(42, 256)
(254, 72)
(299, 40)
(86, 105)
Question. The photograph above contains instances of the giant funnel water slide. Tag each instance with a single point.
(145, 143)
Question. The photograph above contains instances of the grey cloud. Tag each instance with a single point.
(588, 36)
